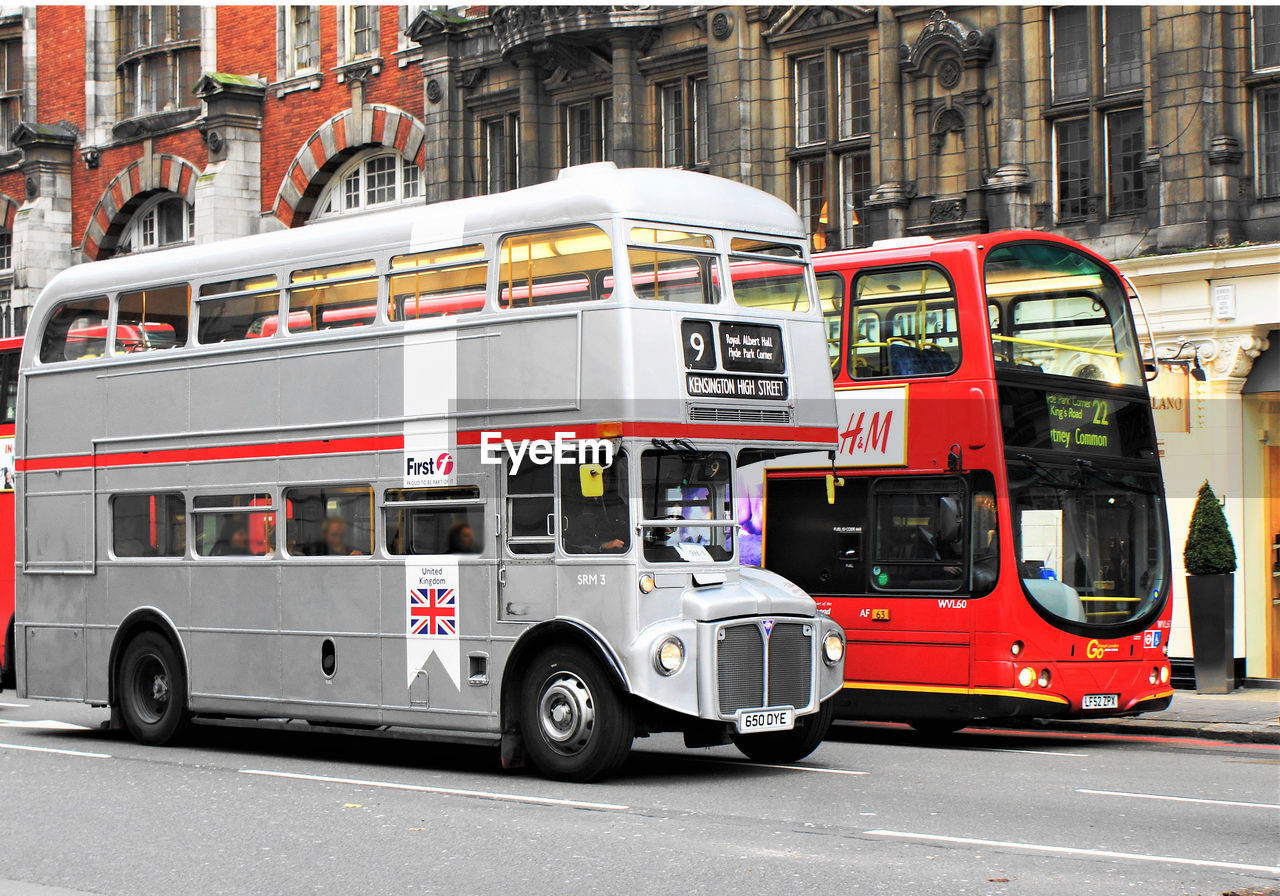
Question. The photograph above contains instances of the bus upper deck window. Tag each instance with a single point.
(774, 284)
(232, 310)
(437, 283)
(152, 319)
(333, 297)
(903, 323)
(552, 267)
(76, 329)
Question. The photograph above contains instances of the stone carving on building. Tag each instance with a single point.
(799, 20)
(721, 25)
(948, 121)
(946, 211)
(943, 48)
(525, 27)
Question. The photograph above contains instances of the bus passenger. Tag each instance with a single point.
(332, 539)
(462, 539)
(233, 540)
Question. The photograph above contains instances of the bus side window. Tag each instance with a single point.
(595, 525)
(76, 329)
(831, 295)
(530, 510)
(153, 525)
(904, 324)
(985, 535)
(152, 319)
(232, 310)
(552, 267)
(434, 521)
(332, 521)
(333, 297)
(437, 283)
(919, 535)
(240, 525)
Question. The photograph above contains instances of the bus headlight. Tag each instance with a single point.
(646, 583)
(1164, 674)
(1015, 648)
(1153, 675)
(669, 656)
(1026, 675)
(1044, 678)
(832, 648)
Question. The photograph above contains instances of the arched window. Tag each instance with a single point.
(372, 180)
(164, 221)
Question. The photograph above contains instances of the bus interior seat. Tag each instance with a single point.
(907, 360)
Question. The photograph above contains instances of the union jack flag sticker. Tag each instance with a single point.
(433, 611)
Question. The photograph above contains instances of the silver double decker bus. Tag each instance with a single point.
(466, 468)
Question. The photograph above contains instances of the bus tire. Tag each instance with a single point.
(788, 746)
(575, 724)
(152, 689)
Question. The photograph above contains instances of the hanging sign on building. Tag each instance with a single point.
(1170, 402)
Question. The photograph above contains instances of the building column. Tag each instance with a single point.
(533, 160)
(887, 205)
(444, 142)
(42, 235)
(626, 77)
(228, 193)
(1009, 187)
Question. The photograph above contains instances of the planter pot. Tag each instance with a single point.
(1211, 602)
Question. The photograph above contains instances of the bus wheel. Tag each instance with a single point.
(936, 728)
(788, 746)
(152, 689)
(576, 726)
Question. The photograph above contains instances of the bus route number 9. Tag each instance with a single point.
(699, 346)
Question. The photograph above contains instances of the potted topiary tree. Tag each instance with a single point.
(1210, 560)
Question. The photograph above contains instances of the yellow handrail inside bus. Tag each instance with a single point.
(1070, 348)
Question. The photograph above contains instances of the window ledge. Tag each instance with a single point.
(1261, 79)
(306, 81)
(406, 56)
(153, 123)
(359, 69)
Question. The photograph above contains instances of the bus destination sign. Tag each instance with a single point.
(751, 348)
(1080, 423)
(728, 385)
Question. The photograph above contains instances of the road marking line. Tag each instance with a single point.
(1033, 752)
(1179, 799)
(447, 791)
(794, 768)
(55, 750)
(15, 705)
(1069, 850)
(42, 723)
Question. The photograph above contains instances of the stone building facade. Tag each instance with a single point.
(1151, 134)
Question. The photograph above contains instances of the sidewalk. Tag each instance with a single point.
(1247, 715)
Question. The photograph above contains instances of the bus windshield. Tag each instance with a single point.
(1091, 543)
(1054, 310)
(687, 487)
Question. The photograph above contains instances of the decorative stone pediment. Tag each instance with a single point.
(943, 48)
(798, 20)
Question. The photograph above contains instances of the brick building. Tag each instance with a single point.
(1151, 134)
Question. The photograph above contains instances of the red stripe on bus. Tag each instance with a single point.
(218, 452)
(661, 431)
(395, 443)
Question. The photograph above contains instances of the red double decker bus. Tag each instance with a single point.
(993, 535)
(10, 349)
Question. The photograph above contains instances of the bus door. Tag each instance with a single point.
(596, 536)
(890, 556)
(526, 570)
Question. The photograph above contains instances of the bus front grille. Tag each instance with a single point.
(708, 414)
(740, 668)
(790, 665)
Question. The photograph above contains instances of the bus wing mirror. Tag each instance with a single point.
(832, 482)
(591, 478)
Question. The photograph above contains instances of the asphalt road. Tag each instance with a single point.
(875, 810)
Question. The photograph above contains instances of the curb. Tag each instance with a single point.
(1223, 731)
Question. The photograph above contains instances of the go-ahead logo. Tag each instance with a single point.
(1096, 650)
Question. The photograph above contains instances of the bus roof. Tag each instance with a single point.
(582, 193)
